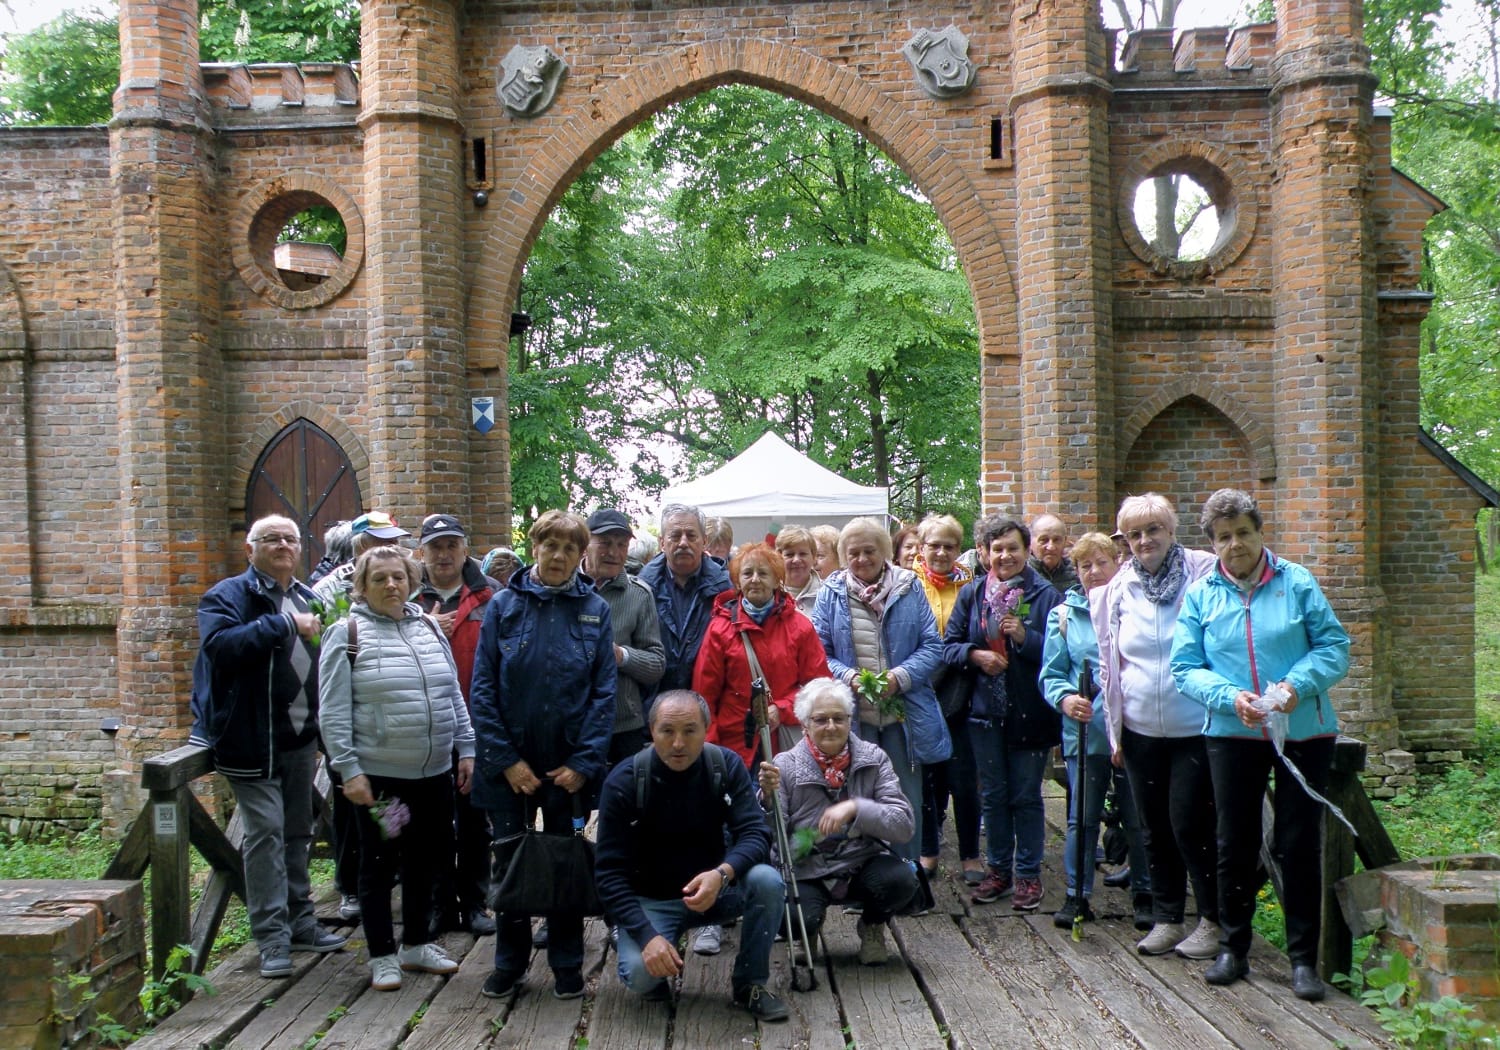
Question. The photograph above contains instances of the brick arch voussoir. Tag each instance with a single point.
(12, 314)
(1256, 437)
(695, 68)
(275, 423)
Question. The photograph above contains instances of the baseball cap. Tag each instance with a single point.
(441, 525)
(607, 520)
(378, 524)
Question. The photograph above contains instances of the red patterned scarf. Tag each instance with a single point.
(836, 769)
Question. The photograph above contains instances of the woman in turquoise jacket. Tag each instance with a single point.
(1070, 644)
(1255, 623)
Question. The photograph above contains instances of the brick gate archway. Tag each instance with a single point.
(789, 71)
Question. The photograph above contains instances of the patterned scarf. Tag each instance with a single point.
(874, 594)
(939, 581)
(836, 769)
(1165, 584)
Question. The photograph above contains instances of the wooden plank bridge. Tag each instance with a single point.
(963, 976)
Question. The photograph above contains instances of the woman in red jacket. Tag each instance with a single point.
(757, 615)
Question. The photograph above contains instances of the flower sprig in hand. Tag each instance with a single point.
(328, 614)
(391, 815)
(873, 687)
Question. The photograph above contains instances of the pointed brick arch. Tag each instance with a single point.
(791, 71)
(275, 423)
(1257, 439)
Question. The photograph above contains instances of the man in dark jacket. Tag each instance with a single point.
(455, 592)
(686, 845)
(255, 703)
(685, 583)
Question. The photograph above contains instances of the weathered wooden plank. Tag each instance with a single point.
(1247, 1013)
(310, 1006)
(1153, 1012)
(816, 1023)
(1341, 1019)
(965, 997)
(381, 1020)
(1048, 998)
(619, 1020)
(459, 1016)
(240, 995)
(540, 1019)
(882, 1005)
(134, 855)
(705, 1015)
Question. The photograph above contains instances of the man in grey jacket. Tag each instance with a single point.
(639, 654)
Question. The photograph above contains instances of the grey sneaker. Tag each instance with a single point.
(275, 962)
(708, 940)
(317, 939)
(1202, 943)
(349, 909)
(872, 949)
(426, 958)
(1164, 936)
(385, 973)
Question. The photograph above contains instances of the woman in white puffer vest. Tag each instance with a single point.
(392, 716)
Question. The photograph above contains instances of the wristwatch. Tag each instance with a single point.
(726, 873)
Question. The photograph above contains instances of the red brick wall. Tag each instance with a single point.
(144, 365)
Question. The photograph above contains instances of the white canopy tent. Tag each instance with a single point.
(771, 484)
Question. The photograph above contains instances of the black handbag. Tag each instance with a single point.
(549, 872)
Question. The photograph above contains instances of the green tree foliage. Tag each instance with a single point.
(61, 73)
(66, 71)
(748, 263)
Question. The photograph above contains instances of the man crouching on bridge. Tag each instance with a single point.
(683, 843)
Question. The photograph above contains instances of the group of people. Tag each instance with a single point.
(856, 684)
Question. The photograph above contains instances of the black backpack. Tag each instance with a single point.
(640, 772)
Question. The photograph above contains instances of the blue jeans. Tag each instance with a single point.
(892, 740)
(1097, 769)
(758, 897)
(1010, 789)
(277, 813)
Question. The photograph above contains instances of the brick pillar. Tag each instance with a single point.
(414, 187)
(1327, 373)
(1061, 111)
(172, 527)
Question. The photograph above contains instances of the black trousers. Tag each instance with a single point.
(416, 853)
(885, 883)
(1174, 799)
(1241, 769)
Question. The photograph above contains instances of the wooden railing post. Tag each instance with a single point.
(169, 779)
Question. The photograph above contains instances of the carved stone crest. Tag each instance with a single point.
(940, 60)
(529, 78)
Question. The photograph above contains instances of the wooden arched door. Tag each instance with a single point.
(304, 475)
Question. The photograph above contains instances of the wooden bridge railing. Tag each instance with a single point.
(173, 820)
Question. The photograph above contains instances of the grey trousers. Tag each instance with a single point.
(277, 814)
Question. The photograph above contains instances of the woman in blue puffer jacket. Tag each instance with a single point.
(1255, 623)
(874, 616)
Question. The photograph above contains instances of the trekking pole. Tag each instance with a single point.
(802, 980)
(1081, 790)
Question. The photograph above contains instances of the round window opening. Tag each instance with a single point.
(1177, 218)
(1183, 215)
(302, 245)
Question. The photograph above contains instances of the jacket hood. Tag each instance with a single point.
(1216, 578)
(1075, 598)
(712, 576)
(905, 580)
(363, 610)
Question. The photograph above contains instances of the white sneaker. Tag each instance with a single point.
(385, 973)
(1164, 936)
(426, 958)
(872, 949)
(708, 940)
(1202, 943)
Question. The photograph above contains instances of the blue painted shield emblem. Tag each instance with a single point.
(483, 411)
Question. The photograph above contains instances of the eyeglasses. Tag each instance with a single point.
(276, 539)
(828, 721)
(1151, 531)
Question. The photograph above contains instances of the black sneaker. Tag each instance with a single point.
(1072, 908)
(567, 984)
(501, 984)
(763, 1004)
(1145, 913)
